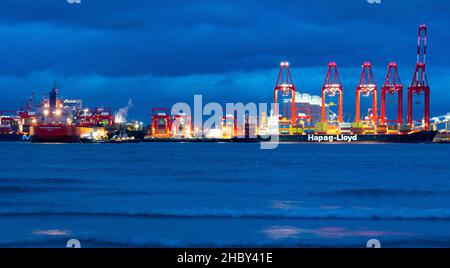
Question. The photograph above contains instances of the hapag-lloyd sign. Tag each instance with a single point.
(332, 138)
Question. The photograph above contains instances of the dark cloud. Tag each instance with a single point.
(173, 38)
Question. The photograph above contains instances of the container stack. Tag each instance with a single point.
(404, 129)
(357, 128)
(345, 128)
(321, 128)
(382, 129)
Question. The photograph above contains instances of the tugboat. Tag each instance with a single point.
(54, 124)
(100, 136)
(97, 136)
(122, 137)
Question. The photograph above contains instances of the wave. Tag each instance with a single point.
(14, 189)
(27, 189)
(43, 181)
(384, 193)
(306, 214)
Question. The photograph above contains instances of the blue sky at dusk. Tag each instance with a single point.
(161, 52)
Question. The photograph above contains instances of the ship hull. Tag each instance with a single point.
(55, 133)
(70, 134)
(418, 137)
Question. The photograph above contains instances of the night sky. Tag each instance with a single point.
(161, 52)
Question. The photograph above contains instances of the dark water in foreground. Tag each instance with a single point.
(195, 195)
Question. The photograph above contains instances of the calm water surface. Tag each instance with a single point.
(204, 195)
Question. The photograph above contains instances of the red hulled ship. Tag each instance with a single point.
(54, 124)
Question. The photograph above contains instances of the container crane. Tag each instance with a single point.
(331, 87)
(366, 87)
(419, 83)
(286, 86)
(161, 123)
(392, 85)
(182, 126)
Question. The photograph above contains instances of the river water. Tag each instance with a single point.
(224, 195)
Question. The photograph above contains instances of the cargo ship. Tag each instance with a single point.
(416, 137)
(54, 122)
(336, 133)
